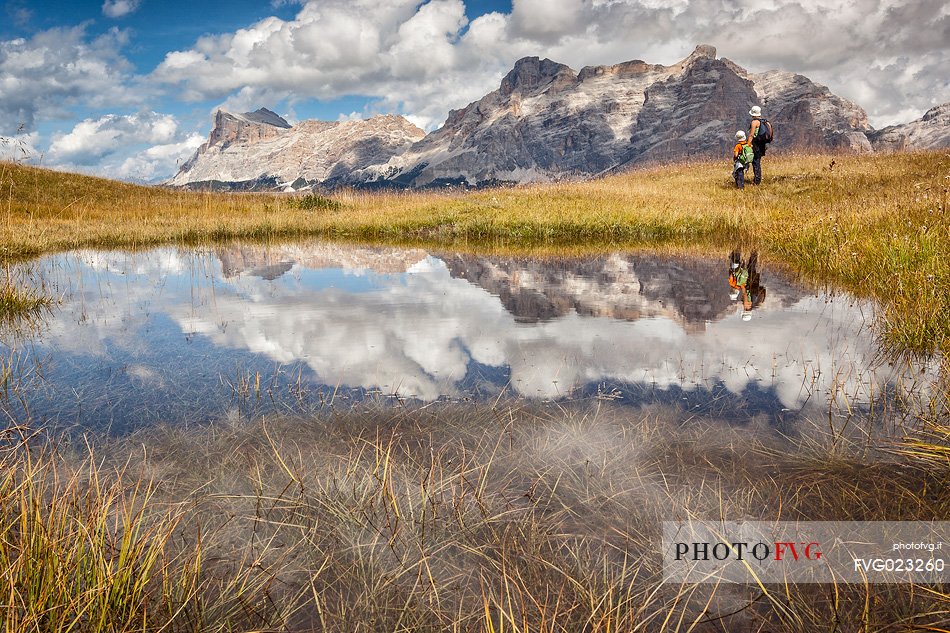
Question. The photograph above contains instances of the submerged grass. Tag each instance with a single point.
(17, 301)
(438, 518)
(876, 225)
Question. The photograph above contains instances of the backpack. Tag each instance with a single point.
(747, 155)
(739, 278)
(764, 134)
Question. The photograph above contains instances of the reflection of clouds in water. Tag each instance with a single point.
(160, 262)
(416, 333)
(109, 297)
(145, 375)
(419, 331)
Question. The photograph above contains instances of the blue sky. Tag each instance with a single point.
(126, 88)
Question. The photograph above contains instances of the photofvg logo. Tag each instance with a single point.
(740, 550)
(802, 552)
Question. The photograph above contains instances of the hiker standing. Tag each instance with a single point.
(742, 157)
(760, 135)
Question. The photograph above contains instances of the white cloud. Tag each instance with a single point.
(548, 20)
(410, 58)
(144, 146)
(159, 161)
(119, 8)
(425, 58)
(42, 77)
(90, 140)
(20, 148)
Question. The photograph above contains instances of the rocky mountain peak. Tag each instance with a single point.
(531, 73)
(250, 127)
(261, 149)
(264, 116)
(930, 131)
(703, 50)
(936, 112)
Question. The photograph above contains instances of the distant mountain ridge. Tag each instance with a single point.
(260, 150)
(931, 131)
(548, 122)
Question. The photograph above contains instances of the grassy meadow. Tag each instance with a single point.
(490, 519)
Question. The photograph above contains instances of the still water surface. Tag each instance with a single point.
(194, 335)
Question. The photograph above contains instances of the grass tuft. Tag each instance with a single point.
(312, 201)
(16, 301)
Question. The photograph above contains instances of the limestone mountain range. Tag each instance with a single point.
(548, 122)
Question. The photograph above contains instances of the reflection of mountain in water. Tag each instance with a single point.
(271, 262)
(620, 286)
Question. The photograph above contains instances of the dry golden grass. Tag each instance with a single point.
(439, 518)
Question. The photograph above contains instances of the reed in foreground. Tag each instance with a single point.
(439, 519)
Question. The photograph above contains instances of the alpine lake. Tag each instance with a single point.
(239, 331)
(351, 438)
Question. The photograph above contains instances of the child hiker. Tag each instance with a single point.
(742, 155)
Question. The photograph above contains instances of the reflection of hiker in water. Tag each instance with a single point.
(745, 282)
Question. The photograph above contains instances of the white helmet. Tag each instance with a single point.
(740, 135)
(755, 111)
(746, 315)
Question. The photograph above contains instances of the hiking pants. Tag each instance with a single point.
(738, 172)
(757, 165)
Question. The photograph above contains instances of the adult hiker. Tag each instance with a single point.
(760, 135)
(742, 156)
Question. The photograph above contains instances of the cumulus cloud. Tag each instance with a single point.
(141, 146)
(90, 140)
(119, 8)
(414, 59)
(159, 161)
(43, 76)
(425, 58)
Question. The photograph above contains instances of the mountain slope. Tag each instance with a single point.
(931, 131)
(261, 150)
(547, 122)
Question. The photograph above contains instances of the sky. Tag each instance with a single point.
(127, 88)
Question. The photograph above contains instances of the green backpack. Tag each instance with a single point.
(746, 155)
